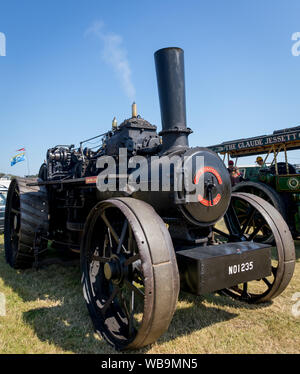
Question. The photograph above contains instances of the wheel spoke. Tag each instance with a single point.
(248, 220)
(232, 222)
(100, 259)
(130, 326)
(134, 288)
(236, 289)
(236, 219)
(109, 236)
(248, 229)
(245, 295)
(111, 229)
(256, 231)
(124, 229)
(110, 300)
(123, 302)
(105, 246)
(267, 282)
(132, 259)
(103, 258)
(221, 232)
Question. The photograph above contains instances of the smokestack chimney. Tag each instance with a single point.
(169, 65)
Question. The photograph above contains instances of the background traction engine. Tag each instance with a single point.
(139, 245)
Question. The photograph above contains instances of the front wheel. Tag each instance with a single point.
(129, 272)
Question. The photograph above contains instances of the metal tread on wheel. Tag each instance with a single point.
(26, 215)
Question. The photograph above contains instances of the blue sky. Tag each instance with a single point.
(59, 82)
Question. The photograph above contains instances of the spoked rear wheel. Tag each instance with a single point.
(130, 277)
(267, 219)
(268, 194)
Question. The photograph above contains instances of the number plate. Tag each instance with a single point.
(212, 268)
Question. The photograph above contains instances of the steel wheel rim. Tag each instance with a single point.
(153, 318)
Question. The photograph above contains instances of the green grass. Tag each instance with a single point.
(46, 313)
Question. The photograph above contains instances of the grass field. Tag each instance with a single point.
(46, 313)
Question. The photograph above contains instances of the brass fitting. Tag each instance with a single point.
(134, 109)
(114, 124)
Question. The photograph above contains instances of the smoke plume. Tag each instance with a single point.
(115, 55)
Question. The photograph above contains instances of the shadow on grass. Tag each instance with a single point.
(67, 324)
(195, 317)
(67, 328)
(224, 300)
(72, 330)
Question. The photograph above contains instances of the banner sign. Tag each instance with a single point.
(257, 142)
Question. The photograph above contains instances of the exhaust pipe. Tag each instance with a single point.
(169, 64)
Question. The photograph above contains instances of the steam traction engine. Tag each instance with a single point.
(139, 245)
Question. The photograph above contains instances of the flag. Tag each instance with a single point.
(17, 158)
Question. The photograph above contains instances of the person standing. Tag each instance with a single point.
(260, 162)
(234, 173)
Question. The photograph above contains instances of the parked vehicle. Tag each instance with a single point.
(3, 195)
(276, 182)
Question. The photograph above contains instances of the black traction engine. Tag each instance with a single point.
(148, 215)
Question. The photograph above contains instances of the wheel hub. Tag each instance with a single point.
(113, 270)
